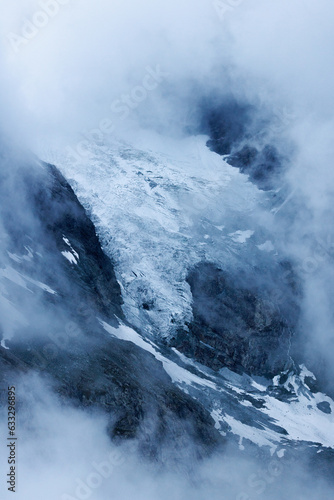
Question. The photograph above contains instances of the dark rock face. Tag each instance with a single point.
(61, 214)
(229, 126)
(233, 326)
(325, 407)
(264, 167)
(128, 384)
(226, 125)
(63, 340)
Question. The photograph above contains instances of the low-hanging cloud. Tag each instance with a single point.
(64, 454)
(68, 66)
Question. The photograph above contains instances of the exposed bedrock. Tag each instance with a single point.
(60, 283)
(235, 326)
(233, 129)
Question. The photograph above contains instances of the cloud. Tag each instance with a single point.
(66, 63)
(71, 70)
(63, 453)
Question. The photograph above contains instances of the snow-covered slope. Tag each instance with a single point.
(160, 207)
(270, 413)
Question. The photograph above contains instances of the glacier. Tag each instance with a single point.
(161, 205)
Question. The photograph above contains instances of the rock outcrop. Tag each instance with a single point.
(234, 326)
(62, 285)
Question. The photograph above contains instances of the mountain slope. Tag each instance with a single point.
(200, 276)
(57, 288)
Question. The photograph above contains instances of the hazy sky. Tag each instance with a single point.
(64, 66)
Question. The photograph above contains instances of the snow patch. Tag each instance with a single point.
(267, 246)
(70, 257)
(260, 437)
(21, 280)
(241, 236)
(178, 374)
